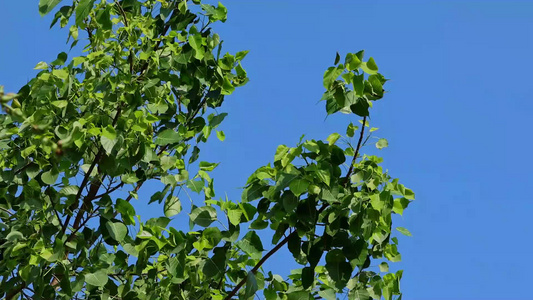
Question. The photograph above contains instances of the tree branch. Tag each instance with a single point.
(350, 170)
(260, 263)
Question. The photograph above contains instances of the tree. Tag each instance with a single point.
(80, 140)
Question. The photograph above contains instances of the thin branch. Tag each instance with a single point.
(7, 211)
(22, 169)
(73, 234)
(260, 263)
(356, 152)
(82, 186)
(123, 13)
(109, 191)
(15, 291)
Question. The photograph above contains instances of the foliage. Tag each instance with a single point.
(135, 108)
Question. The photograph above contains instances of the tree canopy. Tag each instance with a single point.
(79, 141)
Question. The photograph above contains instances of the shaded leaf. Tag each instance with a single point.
(251, 286)
(203, 216)
(251, 245)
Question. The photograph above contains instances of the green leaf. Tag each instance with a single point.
(195, 40)
(69, 190)
(215, 13)
(337, 58)
(14, 235)
(331, 74)
(98, 278)
(207, 166)
(251, 245)
(360, 294)
(311, 146)
(383, 267)
(352, 62)
(399, 205)
(46, 6)
(360, 107)
(60, 60)
(60, 103)
(404, 231)
(227, 87)
(290, 201)
(370, 67)
(241, 54)
(329, 294)
(82, 11)
(251, 286)
(117, 231)
(50, 177)
(234, 216)
(108, 144)
(332, 138)
(220, 135)
(203, 216)
(41, 65)
(252, 192)
(109, 132)
(299, 295)
(196, 185)
(337, 155)
(299, 186)
(172, 206)
(103, 17)
(338, 268)
(215, 120)
(382, 143)
(168, 162)
(350, 131)
(167, 136)
(129, 178)
(308, 277)
(60, 73)
(126, 210)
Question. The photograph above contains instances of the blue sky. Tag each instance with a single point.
(457, 117)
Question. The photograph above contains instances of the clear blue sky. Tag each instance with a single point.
(457, 117)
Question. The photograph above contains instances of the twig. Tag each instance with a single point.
(123, 13)
(260, 263)
(350, 170)
(23, 168)
(7, 211)
(109, 191)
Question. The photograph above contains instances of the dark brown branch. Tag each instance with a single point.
(350, 170)
(73, 234)
(123, 13)
(85, 181)
(15, 291)
(260, 263)
(82, 186)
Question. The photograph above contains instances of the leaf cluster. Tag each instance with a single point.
(80, 140)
